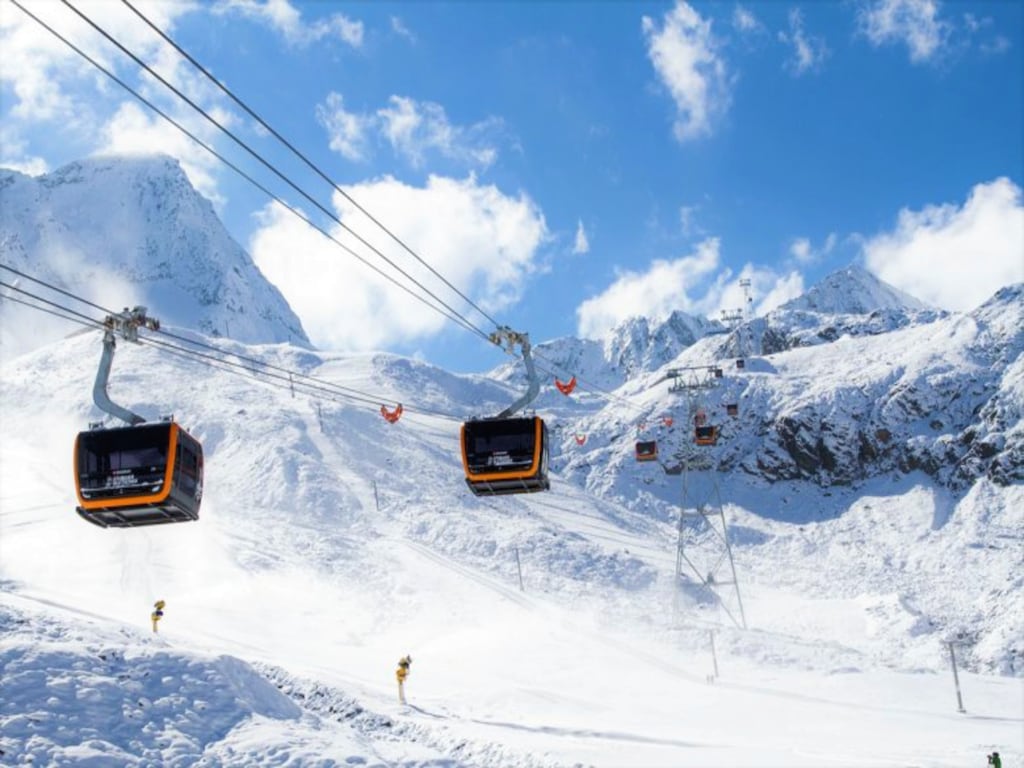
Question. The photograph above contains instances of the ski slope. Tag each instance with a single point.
(331, 543)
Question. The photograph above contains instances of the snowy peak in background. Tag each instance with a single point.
(125, 231)
(641, 344)
(636, 346)
(853, 291)
(850, 302)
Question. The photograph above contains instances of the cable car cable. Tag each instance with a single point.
(89, 324)
(86, 319)
(56, 288)
(256, 155)
(321, 385)
(309, 163)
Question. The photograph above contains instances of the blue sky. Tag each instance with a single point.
(566, 165)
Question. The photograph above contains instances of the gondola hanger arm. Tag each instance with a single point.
(505, 336)
(127, 324)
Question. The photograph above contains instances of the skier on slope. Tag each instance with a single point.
(401, 673)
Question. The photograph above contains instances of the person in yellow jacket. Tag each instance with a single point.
(158, 612)
(401, 673)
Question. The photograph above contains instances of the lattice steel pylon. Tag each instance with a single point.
(702, 547)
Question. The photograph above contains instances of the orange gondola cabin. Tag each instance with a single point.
(647, 450)
(145, 474)
(706, 435)
(505, 455)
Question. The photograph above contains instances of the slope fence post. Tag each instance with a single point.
(956, 677)
(519, 569)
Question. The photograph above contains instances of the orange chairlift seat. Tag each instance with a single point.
(566, 387)
(140, 474)
(392, 416)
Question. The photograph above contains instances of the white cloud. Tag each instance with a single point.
(808, 51)
(399, 28)
(688, 221)
(745, 21)
(657, 292)
(683, 52)
(416, 127)
(801, 250)
(770, 290)
(14, 153)
(346, 131)
(912, 22)
(997, 45)
(955, 257)
(286, 19)
(61, 98)
(52, 82)
(695, 284)
(581, 244)
(134, 131)
(804, 253)
(481, 240)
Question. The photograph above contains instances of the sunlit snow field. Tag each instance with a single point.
(331, 543)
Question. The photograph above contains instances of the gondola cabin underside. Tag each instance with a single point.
(502, 456)
(147, 474)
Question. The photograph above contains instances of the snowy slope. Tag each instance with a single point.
(331, 543)
(127, 231)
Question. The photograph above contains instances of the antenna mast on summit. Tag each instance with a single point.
(735, 318)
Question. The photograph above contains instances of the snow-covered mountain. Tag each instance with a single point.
(635, 346)
(848, 302)
(127, 231)
(873, 482)
(852, 291)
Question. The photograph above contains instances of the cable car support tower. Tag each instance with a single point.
(702, 546)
